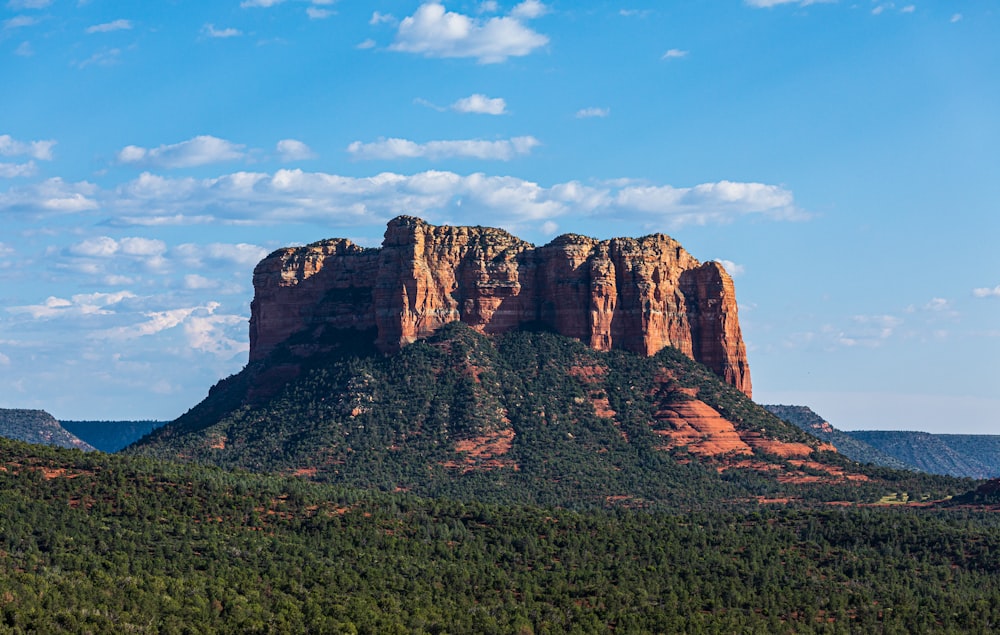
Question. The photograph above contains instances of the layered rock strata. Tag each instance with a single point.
(636, 294)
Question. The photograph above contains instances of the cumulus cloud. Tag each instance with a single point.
(294, 150)
(107, 27)
(52, 196)
(365, 44)
(209, 30)
(260, 3)
(529, 9)
(381, 18)
(294, 196)
(593, 111)
(41, 150)
(481, 105)
(242, 254)
(201, 150)
(986, 292)
(502, 150)
(731, 267)
(204, 329)
(77, 305)
(434, 32)
(674, 54)
(15, 170)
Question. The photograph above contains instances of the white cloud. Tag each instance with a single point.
(116, 25)
(529, 9)
(4, 360)
(488, 6)
(147, 251)
(381, 18)
(593, 111)
(710, 202)
(107, 57)
(41, 150)
(201, 150)
(15, 170)
(242, 254)
(52, 196)
(210, 31)
(731, 267)
(293, 150)
(434, 32)
(24, 50)
(18, 22)
(204, 330)
(480, 104)
(319, 14)
(78, 305)
(295, 196)
(502, 150)
(908, 9)
(17, 5)
(674, 54)
(260, 3)
(869, 330)
(986, 292)
(956, 18)
(366, 44)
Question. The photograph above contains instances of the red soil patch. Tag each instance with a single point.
(217, 443)
(483, 452)
(701, 428)
(305, 471)
(779, 448)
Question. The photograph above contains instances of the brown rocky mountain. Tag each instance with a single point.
(634, 294)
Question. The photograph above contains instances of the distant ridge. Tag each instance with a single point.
(973, 455)
(37, 426)
(855, 449)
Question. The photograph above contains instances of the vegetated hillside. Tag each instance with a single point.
(804, 418)
(983, 448)
(111, 436)
(37, 426)
(934, 453)
(112, 543)
(528, 416)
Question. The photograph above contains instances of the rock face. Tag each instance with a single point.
(636, 294)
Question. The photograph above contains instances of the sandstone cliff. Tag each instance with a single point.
(637, 294)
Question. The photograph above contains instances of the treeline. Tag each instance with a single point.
(98, 543)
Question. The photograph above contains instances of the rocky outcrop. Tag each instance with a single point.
(636, 294)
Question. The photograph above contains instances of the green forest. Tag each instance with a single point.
(107, 543)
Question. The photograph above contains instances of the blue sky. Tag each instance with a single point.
(841, 158)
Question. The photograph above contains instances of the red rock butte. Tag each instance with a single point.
(636, 294)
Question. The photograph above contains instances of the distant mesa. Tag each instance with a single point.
(634, 294)
(37, 426)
